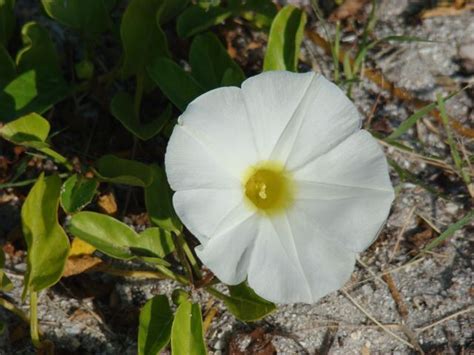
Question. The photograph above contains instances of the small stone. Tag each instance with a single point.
(219, 344)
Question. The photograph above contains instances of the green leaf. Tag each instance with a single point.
(40, 83)
(170, 9)
(30, 130)
(77, 192)
(159, 204)
(117, 239)
(89, 17)
(210, 62)
(143, 39)
(411, 121)
(244, 303)
(187, 336)
(5, 283)
(7, 67)
(31, 91)
(157, 241)
(286, 35)
(48, 244)
(178, 85)
(105, 233)
(260, 12)
(122, 108)
(39, 52)
(123, 171)
(7, 20)
(154, 332)
(195, 19)
(450, 231)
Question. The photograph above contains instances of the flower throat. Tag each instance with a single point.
(268, 187)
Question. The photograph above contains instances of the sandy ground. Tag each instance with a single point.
(433, 310)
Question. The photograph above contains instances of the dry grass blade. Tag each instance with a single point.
(458, 163)
(368, 315)
(442, 320)
(402, 232)
(378, 78)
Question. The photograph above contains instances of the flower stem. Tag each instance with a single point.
(34, 331)
(14, 309)
(190, 256)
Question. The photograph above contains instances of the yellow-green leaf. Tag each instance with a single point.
(5, 283)
(30, 130)
(77, 192)
(48, 244)
(244, 303)
(187, 336)
(284, 41)
(154, 330)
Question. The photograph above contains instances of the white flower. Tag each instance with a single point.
(279, 184)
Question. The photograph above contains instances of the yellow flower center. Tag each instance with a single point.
(268, 187)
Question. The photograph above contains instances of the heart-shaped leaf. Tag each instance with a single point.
(143, 39)
(89, 17)
(123, 171)
(178, 85)
(48, 244)
(159, 204)
(77, 192)
(154, 332)
(123, 110)
(211, 64)
(196, 19)
(284, 41)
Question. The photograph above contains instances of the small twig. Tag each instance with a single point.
(397, 297)
(368, 315)
(401, 233)
(410, 263)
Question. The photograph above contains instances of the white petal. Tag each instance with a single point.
(219, 120)
(271, 99)
(326, 264)
(275, 272)
(347, 192)
(207, 212)
(190, 164)
(228, 253)
(323, 119)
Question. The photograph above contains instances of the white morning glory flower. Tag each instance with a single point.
(279, 184)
